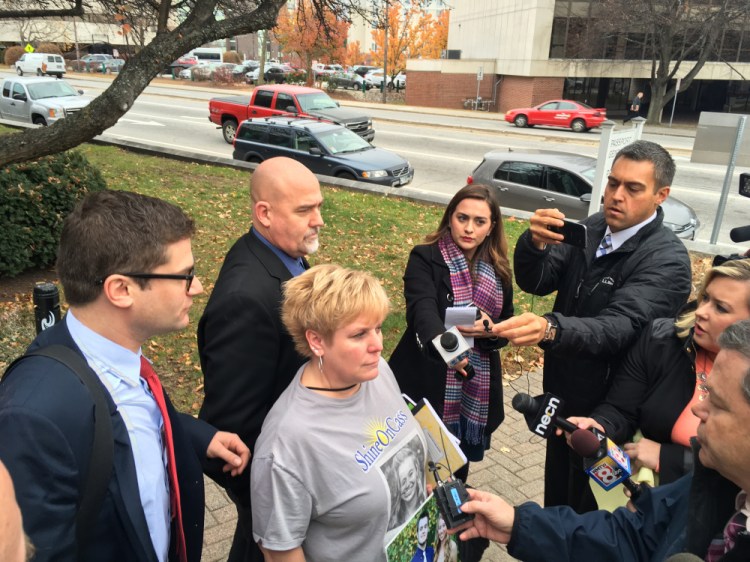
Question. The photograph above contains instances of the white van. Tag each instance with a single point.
(40, 64)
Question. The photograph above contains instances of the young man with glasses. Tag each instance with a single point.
(126, 265)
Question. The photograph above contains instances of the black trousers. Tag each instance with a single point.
(244, 548)
(565, 482)
(631, 115)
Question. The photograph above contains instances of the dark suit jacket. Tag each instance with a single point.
(419, 369)
(247, 356)
(47, 427)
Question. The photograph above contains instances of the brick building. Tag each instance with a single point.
(530, 51)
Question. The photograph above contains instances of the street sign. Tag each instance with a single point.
(480, 73)
(28, 48)
(610, 143)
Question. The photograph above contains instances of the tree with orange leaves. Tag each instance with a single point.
(312, 35)
(353, 54)
(412, 33)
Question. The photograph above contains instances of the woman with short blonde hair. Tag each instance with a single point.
(321, 480)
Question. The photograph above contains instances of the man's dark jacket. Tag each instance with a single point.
(247, 356)
(47, 428)
(601, 304)
(680, 517)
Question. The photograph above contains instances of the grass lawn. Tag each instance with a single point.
(362, 231)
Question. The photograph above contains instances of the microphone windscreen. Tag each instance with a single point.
(585, 443)
(449, 341)
(523, 403)
(684, 557)
(740, 234)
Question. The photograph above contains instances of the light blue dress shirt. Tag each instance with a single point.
(119, 369)
(295, 265)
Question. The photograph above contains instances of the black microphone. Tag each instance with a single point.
(740, 234)
(541, 413)
(604, 462)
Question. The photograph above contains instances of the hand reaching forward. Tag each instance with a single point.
(493, 517)
(230, 448)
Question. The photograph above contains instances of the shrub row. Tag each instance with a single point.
(35, 197)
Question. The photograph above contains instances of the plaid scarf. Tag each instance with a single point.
(470, 399)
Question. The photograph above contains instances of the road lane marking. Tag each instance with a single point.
(152, 116)
(177, 146)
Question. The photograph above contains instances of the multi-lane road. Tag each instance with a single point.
(444, 148)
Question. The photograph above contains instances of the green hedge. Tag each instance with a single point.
(35, 197)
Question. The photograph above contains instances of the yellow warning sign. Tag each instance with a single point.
(28, 48)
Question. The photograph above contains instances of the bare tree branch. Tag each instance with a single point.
(201, 21)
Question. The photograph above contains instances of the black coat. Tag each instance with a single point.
(419, 369)
(603, 304)
(46, 421)
(247, 356)
(650, 389)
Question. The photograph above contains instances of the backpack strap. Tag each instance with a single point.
(99, 471)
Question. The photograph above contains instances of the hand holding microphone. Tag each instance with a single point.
(455, 351)
(604, 461)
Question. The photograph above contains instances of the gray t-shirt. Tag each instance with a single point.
(326, 474)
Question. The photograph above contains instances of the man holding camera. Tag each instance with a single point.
(632, 270)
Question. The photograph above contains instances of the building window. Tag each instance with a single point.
(559, 32)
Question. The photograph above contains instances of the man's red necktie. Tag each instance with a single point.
(149, 375)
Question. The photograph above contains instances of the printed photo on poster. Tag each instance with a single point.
(405, 477)
(424, 538)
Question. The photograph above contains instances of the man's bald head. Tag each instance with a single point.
(276, 178)
(13, 542)
(286, 203)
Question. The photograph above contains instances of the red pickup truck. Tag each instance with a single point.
(284, 99)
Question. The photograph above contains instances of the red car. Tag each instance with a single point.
(558, 113)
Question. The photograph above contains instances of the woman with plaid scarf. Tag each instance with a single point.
(463, 263)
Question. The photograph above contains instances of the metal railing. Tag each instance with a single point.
(478, 104)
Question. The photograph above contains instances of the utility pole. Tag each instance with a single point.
(263, 55)
(384, 85)
(75, 38)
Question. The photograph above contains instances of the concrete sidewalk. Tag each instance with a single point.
(513, 469)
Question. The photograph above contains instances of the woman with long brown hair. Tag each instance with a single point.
(464, 263)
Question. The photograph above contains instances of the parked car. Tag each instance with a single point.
(97, 58)
(40, 64)
(39, 100)
(200, 71)
(375, 78)
(252, 76)
(325, 148)
(275, 74)
(362, 69)
(347, 80)
(540, 179)
(324, 70)
(181, 64)
(558, 113)
(114, 65)
(240, 70)
(94, 63)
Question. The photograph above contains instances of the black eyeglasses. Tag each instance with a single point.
(188, 277)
